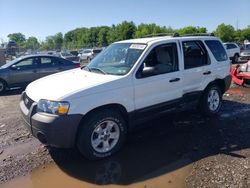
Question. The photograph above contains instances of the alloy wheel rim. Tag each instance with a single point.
(213, 100)
(105, 136)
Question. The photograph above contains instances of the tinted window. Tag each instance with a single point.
(97, 51)
(217, 50)
(195, 54)
(27, 63)
(86, 51)
(163, 59)
(47, 62)
(231, 46)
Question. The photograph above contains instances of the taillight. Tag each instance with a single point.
(77, 65)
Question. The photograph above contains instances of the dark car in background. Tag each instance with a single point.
(23, 70)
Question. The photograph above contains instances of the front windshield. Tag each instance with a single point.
(117, 59)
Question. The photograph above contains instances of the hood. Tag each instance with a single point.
(60, 85)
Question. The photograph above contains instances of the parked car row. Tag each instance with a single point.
(23, 70)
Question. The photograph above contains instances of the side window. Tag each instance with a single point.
(162, 59)
(195, 54)
(26, 64)
(47, 62)
(231, 46)
(217, 50)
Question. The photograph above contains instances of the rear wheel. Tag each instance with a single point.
(211, 101)
(102, 134)
(2, 86)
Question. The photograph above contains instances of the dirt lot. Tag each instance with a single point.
(178, 150)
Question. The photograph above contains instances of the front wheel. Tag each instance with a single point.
(211, 101)
(101, 134)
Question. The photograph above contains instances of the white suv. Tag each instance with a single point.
(233, 51)
(129, 82)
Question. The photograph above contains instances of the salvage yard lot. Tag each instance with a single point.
(177, 150)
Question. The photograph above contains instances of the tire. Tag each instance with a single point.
(236, 58)
(101, 134)
(2, 86)
(211, 101)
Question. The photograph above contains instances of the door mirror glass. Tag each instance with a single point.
(14, 67)
(148, 71)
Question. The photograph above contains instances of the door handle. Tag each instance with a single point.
(174, 80)
(207, 73)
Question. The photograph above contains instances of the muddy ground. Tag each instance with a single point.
(215, 150)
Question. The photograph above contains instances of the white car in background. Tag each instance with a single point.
(245, 54)
(89, 54)
(233, 51)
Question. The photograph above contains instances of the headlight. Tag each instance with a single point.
(53, 107)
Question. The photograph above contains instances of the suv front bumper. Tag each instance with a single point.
(53, 130)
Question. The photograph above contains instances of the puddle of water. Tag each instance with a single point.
(52, 176)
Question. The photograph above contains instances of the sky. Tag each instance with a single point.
(48, 17)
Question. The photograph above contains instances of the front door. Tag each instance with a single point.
(158, 89)
(24, 71)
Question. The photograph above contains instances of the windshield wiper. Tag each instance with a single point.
(96, 69)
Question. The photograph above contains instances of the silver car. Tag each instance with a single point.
(23, 70)
(89, 54)
(245, 54)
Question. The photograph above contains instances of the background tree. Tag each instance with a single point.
(191, 30)
(32, 43)
(225, 32)
(151, 29)
(58, 41)
(19, 38)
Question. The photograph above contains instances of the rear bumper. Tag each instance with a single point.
(244, 58)
(53, 130)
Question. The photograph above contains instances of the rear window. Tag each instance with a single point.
(217, 50)
(97, 51)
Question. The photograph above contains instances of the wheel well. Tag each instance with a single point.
(117, 107)
(6, 84)
(220, 83)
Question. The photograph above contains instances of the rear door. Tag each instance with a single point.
(24, 71)
(197, 67)
(48, 65)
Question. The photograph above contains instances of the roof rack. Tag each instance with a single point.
(198, 34)
(177, 35)
(162, 35)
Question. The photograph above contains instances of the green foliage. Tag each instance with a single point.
(19, 38)
(151, 29)
(225, 32)
(191, 29)
(32, 43)
(104, 35)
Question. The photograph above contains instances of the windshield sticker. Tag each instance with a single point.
(138, 46)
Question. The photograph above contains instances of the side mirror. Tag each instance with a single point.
(148, 71)
(14, 67)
